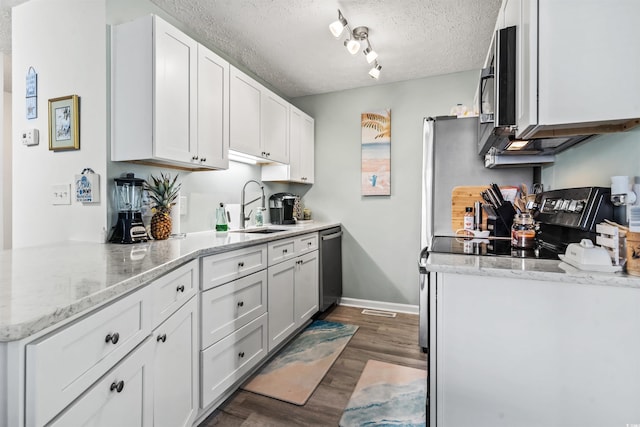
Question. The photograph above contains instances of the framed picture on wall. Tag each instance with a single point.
(64, 123)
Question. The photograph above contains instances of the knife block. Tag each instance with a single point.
(500, 224)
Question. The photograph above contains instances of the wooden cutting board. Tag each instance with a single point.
(461, 197)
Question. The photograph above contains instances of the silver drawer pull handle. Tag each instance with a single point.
(241, 264)
(180, 288)
(241, 304)
(117, 386)
(284, 251)
(113, 338)
(162, 338)
(241, 354)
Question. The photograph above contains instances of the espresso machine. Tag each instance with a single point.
(129, 227)
(281, 208)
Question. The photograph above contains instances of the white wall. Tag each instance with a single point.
(382, 234)
(65, 41)
(595, 161)
(5, 158)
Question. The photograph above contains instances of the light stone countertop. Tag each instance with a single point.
(44, 285)
(524, 268)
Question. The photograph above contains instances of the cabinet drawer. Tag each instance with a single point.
(307, 243)
(104, 405)
(62, 365)
(172, 290)
(225, 267)
(281, 250)
(231, 306)
(225, 362)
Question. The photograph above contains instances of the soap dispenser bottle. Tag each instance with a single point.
(221, 218)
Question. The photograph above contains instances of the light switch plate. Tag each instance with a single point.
(60, 194)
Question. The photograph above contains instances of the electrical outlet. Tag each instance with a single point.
(183, 205)
(60, 194)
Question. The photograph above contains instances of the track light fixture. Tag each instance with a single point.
(354, 41)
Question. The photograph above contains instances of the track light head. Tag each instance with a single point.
(370, 54)
(352, 46)
(336, 27)
(375, 71)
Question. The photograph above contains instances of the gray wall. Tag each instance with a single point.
(382, 234)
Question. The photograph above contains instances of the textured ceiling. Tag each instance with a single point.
(287, 43)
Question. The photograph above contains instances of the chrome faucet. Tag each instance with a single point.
(243, 204)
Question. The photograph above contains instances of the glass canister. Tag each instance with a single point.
(523, 231)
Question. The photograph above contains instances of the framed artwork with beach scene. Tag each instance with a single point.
(376, 153)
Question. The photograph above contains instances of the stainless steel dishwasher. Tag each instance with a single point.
(330, 267)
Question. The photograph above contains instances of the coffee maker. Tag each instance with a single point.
(281, 208)
(129, 227)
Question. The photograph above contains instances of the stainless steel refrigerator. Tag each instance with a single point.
(450, 159)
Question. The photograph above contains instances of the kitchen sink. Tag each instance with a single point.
(261, 230)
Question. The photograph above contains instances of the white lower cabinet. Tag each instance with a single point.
(228, 360)
(175, 368)
(282, 319)
(64, 364)
(293, 296)
(120, 398)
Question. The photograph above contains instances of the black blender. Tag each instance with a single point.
(129, 227)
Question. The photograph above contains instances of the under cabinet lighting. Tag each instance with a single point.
(242, 158)
(517, 145)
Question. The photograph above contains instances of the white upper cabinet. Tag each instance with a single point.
(169, 97)
(244, 108)
(259, 120)
(562, 87)
(213, 109)
(301, 151)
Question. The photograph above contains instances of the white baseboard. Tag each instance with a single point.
(379, 305)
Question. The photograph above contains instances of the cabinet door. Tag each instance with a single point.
(244, 113)
(274, 127)
(228, 307)
(213, 109)
(175, 93)
(121, 398)
(280, 302)
(307, 149)
(306, 289)
(175, 368)
(63, 364)
(295, 145)
(228, 360)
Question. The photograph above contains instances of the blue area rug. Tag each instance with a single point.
(388, 395)
(296, 371)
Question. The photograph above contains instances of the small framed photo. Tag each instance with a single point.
(64, 123)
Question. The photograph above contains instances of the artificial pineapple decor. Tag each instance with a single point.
(163, 192)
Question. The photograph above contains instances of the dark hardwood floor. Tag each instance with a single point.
(393, 340)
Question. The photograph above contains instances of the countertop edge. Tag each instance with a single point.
(95, 301)
(531, 269)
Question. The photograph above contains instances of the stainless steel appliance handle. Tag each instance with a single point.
(332, 236)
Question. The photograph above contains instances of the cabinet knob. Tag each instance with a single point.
(268, 154)
(241, 354)
(284, 251)
(309, 244)
(113, 338)
(194, 158)
(180, 288)
(117, 386)
(162, 338)
(241, 264)
(240, 303)
(264, 153)
(204, 159)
